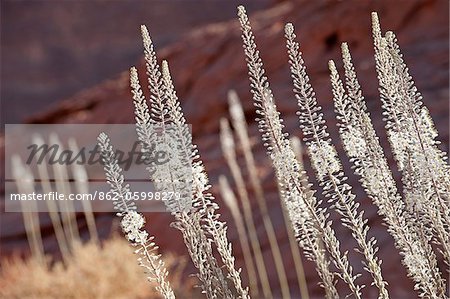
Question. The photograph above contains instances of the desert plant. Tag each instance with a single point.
(230, 200)
(325, 162)
(82, 187)
(412, 136)
(365, 152)
(62, 214)
(310, 221)
(418, 219)
(187, 221)
(164, 126)
(228, 149)
(133, 222)
(241, 130)
(25, 184)
(68, 215)
(52, 206)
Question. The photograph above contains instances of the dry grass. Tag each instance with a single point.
(109, 271)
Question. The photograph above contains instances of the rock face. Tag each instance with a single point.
(209, 61)
(52, 50)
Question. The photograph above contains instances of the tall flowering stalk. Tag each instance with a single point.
(229, 152)
(82, 186)
(42, 169)
(132, 223)
(163, 125)
(150, 132)
(326, 163)
(216, 229)
(412, 135)
(240, 127)
(241, 131)
(25, 182)
(310, 220)
(232, 203)
(68, 215)
(366, 154)
(151, 128)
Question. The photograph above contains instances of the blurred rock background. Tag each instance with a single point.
(66, 62)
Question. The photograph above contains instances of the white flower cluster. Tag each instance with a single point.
(199, 177)
(132, 224)
(324, 158)
(427, 123)
(354, 142)
(399, 145)
(372, 176)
